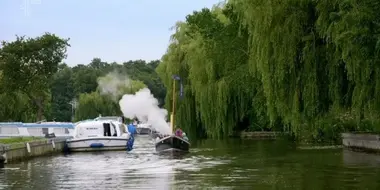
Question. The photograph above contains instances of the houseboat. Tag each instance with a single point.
(144, 129)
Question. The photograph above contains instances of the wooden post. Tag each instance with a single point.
(173, 110)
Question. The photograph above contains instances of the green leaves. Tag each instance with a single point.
(295, 61)
(28, 64)
(34, 84)
(208, 52)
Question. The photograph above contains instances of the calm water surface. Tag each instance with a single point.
(212, 164)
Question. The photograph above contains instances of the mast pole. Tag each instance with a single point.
(173, 109)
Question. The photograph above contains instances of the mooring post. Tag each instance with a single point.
(28, 147)
(53, 144)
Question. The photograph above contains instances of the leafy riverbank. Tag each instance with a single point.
(305, 67)
(308, 68)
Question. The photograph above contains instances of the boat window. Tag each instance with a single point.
(107, 129)
(35, 131)
(59, 130)
(114, 130)
(45, 131)
(67, 131)
(9, 130)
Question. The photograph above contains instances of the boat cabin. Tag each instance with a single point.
(100, 128)
(19, 129)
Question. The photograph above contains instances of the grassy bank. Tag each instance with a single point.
(13, 140)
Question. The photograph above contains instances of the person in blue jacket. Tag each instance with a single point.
(132, 131)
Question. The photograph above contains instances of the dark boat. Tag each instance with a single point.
(172, 143)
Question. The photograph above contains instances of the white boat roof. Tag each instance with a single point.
(113, 118)
(143, 125)
(95, 123)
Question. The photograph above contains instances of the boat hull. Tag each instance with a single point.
(97, 144)
(143, 131)
(172, 144)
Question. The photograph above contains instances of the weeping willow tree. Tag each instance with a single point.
(310, 67)
(317, 59)
(290, 58)
(16, 105)
(16, 108)
(210, 53)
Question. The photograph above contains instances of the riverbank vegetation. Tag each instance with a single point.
(307, 67)
(13, 140)
(310, 68)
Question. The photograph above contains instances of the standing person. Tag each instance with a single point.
(132, 131)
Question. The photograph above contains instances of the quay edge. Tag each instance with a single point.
(361, 141)
(26, 150)
(260, 135)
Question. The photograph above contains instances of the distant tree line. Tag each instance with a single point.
(36, 85)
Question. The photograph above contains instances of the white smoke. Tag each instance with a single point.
(112, 84)
(144, 106)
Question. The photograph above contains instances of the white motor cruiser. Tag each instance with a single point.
(144, 129)
(99, 134)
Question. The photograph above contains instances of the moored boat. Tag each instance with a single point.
(40, 129)
(100, 134)
(143, 129)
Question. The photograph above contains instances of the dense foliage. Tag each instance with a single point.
(303, 66)
(36, 85)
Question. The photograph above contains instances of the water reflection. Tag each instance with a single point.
(139, 169)
(351, 158)
(228, 164)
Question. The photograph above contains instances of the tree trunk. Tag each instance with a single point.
(40, 113)
(40, 108)
(39, 102)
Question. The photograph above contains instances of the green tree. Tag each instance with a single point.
(308, 67)
(90, 105)
(84, 78)
(28, 64)
(209, 52)
(145, 72)
(105, 101)
(62, 92)
(115, 85)
(16, 107)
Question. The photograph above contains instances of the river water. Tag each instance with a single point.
(211, 164)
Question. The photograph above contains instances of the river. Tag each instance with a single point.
(211, 164)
